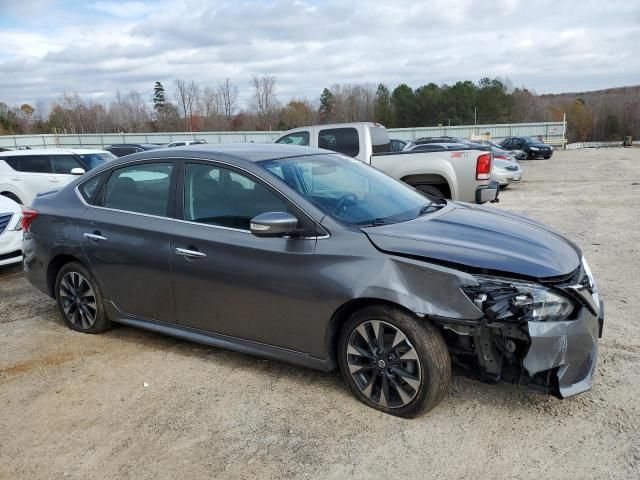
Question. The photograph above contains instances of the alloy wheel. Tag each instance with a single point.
(383, 364)
(78, 300)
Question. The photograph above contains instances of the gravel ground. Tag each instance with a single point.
(131, 404)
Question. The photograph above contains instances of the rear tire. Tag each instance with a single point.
(80, 300)
(13, 197)
(393, 361)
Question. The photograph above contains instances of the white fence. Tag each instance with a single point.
(573, 146)
(551, 132)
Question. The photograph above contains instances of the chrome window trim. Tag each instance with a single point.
(191, 222)
(79, 195)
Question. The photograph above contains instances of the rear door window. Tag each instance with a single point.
(140, 188)
(296, 138)
(35, 164)
(343, 140)
(63, 164)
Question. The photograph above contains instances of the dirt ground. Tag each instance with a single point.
(132, 404)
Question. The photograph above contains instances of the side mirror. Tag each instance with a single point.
(273, 224)
(77, 171)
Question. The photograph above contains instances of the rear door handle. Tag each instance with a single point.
(94, 236)
(190, 253)
(54, 179)
(17, 179)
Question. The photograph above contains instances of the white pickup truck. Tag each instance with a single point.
(462, 174)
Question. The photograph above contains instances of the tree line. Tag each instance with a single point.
(188, 106)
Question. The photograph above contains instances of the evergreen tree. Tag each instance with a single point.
(403, 101)
(382, 110)
(327, 102)
(159, 97)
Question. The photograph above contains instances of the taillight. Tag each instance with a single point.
(28, 216)
(483, 167)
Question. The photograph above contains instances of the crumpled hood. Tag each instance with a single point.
(481, 237)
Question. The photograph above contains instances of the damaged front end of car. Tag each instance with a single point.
(543, 335)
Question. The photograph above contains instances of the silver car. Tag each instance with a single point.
(506, 172)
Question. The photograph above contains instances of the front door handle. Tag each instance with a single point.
(54, 179)
(94, 236)
(16, 179)
(190, 253)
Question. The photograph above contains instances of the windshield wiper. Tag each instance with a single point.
(376, 222)
(430, 207)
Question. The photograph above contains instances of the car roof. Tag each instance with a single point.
(80, 151)
(239, 152)
(141, 145)
(37, 151)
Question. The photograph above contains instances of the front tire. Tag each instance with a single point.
(80, 300)
(393, 361)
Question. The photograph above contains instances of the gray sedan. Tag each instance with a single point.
(301, 255)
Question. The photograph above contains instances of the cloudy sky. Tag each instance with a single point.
(95, 47)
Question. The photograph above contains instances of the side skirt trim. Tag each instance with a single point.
(220, 341)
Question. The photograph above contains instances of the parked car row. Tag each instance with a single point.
(122, 149)
(506, 154)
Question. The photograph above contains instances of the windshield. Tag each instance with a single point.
(94, 160)
(350, 191)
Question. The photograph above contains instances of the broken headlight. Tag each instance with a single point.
(504, 300)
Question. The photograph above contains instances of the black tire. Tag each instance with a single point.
(432, 365)
(430, 190)
(504, 187)
(13, 197)
(80, 300)
(547, 157)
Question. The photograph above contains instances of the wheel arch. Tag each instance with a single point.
(342, 314)
(56, 263)
(10, 193)
(432, 179)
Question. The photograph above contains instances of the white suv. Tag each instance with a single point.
(10, 232)
(25, 173)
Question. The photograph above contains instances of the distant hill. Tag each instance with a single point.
(625, 91)
(607, 114)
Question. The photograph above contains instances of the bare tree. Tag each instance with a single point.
(129, 113)
(228, 94)
(209, 106)
(187, 96)
(264, 101)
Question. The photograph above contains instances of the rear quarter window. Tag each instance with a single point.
(89, 188)
(13, 162)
